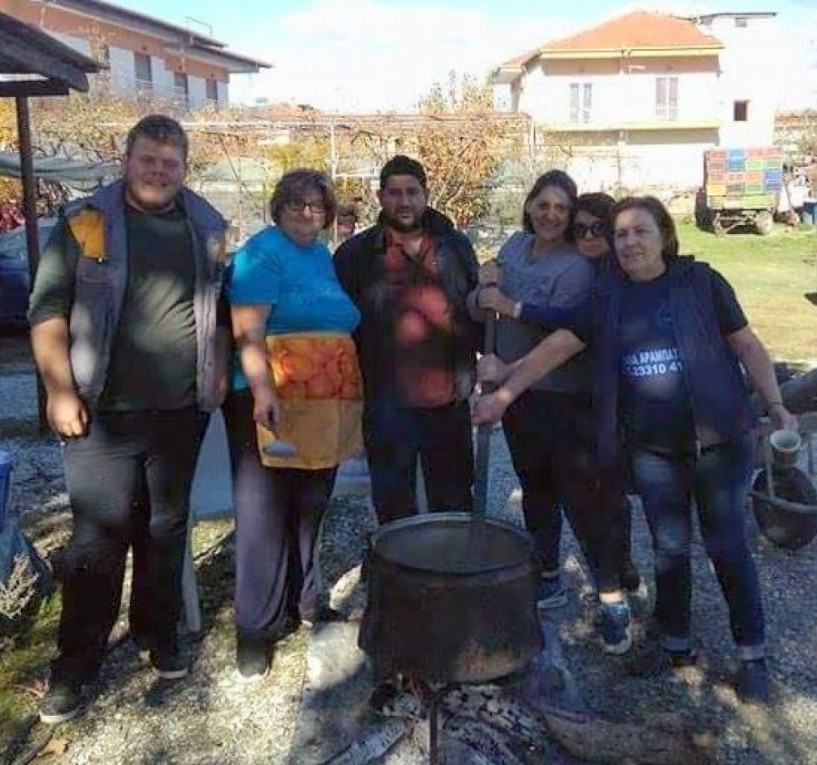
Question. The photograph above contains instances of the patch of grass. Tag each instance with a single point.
(22, 665)
(772, 275)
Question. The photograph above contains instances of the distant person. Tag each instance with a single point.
(346, 221)
(297, 384)
(669, 339)
(409, 276)
(124, 331)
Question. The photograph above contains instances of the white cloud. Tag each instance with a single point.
(363, 55)
(374, 55)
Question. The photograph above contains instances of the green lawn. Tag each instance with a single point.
(772, 276)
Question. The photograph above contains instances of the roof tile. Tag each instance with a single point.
(639, 29)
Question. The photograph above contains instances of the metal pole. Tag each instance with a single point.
(30, 212)
(433, 730)
(29, 188)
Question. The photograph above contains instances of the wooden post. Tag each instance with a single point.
(32, 231)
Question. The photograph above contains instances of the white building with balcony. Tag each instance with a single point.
(634, 102)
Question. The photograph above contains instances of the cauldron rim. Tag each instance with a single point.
(462, 518)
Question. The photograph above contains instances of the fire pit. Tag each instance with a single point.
(451, 600)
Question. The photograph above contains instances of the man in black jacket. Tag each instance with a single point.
(409, 276)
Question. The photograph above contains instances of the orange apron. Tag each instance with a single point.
(318, 385)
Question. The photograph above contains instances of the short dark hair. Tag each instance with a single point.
(661, 216)
(159, 128)
(597, 203)
(400, 164)
(560, 179)
(292, 187)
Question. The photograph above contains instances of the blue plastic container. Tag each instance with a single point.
(5, 485)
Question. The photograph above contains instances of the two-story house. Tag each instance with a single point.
(633, 102)
(749, 81)
(144, 55)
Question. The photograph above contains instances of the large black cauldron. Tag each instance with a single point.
(451, 599)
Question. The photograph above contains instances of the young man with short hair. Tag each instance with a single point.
(409, 276)
(125, 336)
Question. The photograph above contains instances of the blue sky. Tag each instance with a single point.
(369, 55)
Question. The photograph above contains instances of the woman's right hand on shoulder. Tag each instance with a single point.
(266, 408)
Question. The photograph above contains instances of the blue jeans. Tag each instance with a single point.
(718, 480)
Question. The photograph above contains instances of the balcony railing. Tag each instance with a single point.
(143, 86)
(580, 115)
(666, 112)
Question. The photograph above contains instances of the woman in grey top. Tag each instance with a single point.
(605, 526)
(549, 428)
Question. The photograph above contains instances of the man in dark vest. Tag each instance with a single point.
(125, 334)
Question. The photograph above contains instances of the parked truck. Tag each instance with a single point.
(741, 188)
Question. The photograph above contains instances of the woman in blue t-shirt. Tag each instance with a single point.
(293, 413)
(669, 339)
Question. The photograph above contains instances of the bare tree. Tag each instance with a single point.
(463, 144)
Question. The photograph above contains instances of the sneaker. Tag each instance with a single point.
(168, 663)
(383, 696)
(654, 661)
(551, 593)
(614, 627)
(62, 702)
(753, 685)
(253, 658)
(629, 578)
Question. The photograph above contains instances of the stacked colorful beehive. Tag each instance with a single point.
(743, 178)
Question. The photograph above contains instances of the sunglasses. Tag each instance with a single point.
(598, 230)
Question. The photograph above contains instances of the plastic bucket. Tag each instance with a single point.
(808, 213)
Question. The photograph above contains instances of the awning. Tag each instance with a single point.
(84, 176)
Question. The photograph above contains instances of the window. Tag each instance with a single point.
(143, 71)
(581, 101)
(666, 98)
(212, 90)
(741, 21)
(180, 85)
(740, 111)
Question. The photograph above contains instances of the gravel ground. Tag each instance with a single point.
(211, 717)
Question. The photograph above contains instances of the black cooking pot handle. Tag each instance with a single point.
(482, 459)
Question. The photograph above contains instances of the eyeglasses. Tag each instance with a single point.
(597, 230)
(315, 207)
